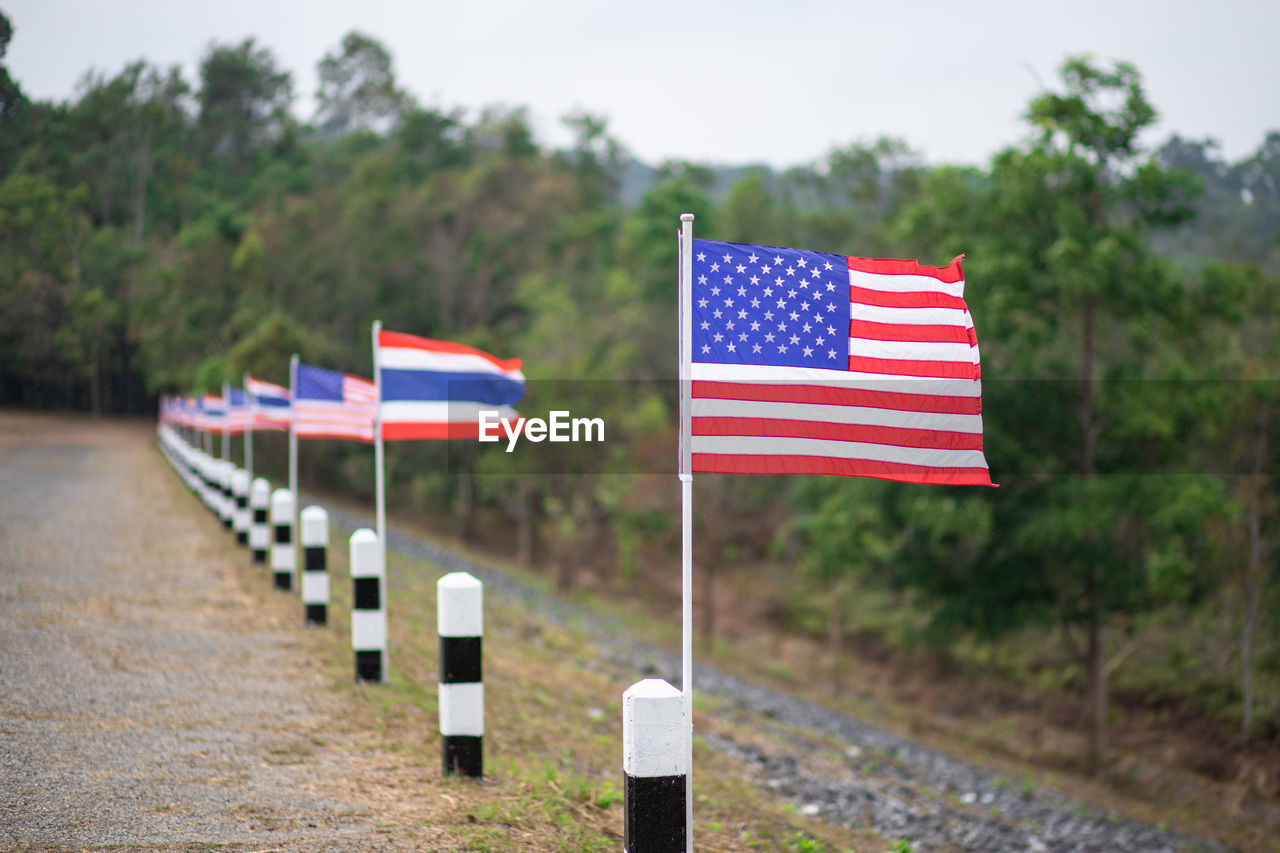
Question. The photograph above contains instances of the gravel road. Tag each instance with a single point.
(147, 702)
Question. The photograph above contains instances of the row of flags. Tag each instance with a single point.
(429, 390)
(791, 362)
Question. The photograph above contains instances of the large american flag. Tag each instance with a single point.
(330, 404)
(813, 363)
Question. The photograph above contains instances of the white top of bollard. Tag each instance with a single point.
(315, 526)
(459, 605)
(281, 506)
(240, 482)
(654, 730)
(366, 556)
(459, 580)
(651, 688)
(260, 492)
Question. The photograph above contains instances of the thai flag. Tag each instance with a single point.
(269, 407)
(330, 404)
(213, 413)
(436, 389)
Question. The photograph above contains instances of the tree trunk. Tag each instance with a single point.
(1253, 572)
(1096, 656)
(835, 638)
(526, 525)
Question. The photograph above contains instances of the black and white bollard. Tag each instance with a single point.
(314, 537)
(460, 622)
(240, 494)
(283, 558)
(226, 502)
(655, 759)
(368, 612)
(259, 532)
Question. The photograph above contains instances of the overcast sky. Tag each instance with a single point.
(776, 81)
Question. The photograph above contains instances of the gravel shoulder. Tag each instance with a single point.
(147, 700)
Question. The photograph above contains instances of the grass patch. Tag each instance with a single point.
(553, 736)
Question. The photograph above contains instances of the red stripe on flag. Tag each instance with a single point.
(911, 367)
(913, 299)
(933, 439)
(728, 463)
(823, 395)
(892, 266)
(925, 333)
(406, 341)
(432, 430)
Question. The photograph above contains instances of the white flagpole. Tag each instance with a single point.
(226, 421)
(248, 428)
(293, 433)
(686, 501)
(379, 474)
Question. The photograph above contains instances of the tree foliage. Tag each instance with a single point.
(158, 234)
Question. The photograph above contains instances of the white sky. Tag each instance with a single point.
(776, 81)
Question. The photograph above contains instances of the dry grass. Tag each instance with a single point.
(553, 743)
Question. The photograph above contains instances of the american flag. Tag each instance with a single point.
(330, 404)
(269, 407)
(813, 363)
(238, 414)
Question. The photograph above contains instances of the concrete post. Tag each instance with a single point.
(283, 558)
(368, 609)
(240, 494)
(259, 534)
(654, 766)
(315, 576)
(460, 623)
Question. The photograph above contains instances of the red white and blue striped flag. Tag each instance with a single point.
(238, 414)
(213, 413)
(436, 389)
(269, 407)
(330, 404)
(812, 363)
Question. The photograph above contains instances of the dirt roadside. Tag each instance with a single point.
(148, 700)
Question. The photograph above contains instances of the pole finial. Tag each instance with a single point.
(686, 217)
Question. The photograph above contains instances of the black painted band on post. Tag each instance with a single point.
(462, 754)
(369, 665)
(366, 593)
(460, 660)
(313, 558)
(653, 814)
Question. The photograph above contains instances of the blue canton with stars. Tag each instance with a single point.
(770, 306)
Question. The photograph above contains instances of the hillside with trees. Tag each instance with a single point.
(162, 235)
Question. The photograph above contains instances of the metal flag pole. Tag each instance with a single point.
(248, 427)
(293, 433)
(686, 503)
(226, 421)
(378, 460)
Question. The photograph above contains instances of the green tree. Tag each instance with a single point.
(243, 103)
(358, 90)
